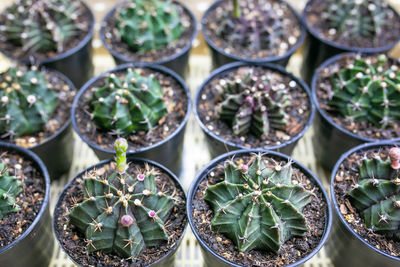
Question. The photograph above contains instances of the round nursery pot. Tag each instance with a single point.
(75, 63)
(223, 55)
(318, 48)
(331, 139)
(34, 246)
(73, 242)
(351, 244)
(218, 250)
(166, 149)
(175, 59)
(219, 135)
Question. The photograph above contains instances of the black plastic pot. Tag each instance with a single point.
(346, 247)
(75, 63)
(168, 152)
(210, 257)
(177, 62)
(331, 140)
(216, 145)
(168, 259)
(35, 246)
(316, 49)
(220, 57)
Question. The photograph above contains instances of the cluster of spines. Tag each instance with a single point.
(122, 214)
(10, 187)
(258, 207)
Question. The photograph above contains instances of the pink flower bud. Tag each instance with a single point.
(249, 99)
(126, 220)
(394, 155)
(152, 214)
(141, 177)
(244, 168)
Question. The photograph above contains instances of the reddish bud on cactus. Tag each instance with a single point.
(394, 155)
(126, 220)
(141, 177)
(152, 213)
(249, 99)
(244, 167)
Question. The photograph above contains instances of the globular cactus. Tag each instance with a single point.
(250, 105)
(121, 214)
(10, 187)
(42, 25)
(258, 207)
(128, 104)
(367, 91)
(377, 193)
(27, 102)
(146, 25)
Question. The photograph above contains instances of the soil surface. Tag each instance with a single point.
(110, 32)
(293, 250)
(360, 128)
(299, 110)
(174, 97)
(314, 15)
(277, 24)
(74, 242)
(345, 179)
(30, 200)
(60, 116)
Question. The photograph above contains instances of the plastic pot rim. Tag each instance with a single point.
(27, 154)
(333, 194)
(254, 60)
(232, 67)
(130, 159)
(205, 170)
(119, 68)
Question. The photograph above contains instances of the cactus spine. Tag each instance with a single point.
(10, 187)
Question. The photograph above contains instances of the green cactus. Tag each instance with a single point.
(257, 207)
(27, 102)
(367, 91)
(146, 25)
(129, 104)
(42, 25)
(121, 214)
(250, 105)
(377, 193)
(10, 187)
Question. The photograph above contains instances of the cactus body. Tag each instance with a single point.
(257, 207)
(129, 104)
(10, 187)
(121, 214)
(27, 102)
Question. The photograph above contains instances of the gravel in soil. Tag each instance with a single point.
(74, 242)
(293, 250)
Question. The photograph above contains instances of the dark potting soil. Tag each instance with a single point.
(13, 50)
(60, 116)
(30, 200)
(299, 110)
(74, 242)
(110, 31)
(345, 180)
(360, 128)
(293, 250)
(316, 20)
(174, 97)
(284, 29)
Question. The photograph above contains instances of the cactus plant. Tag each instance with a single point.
(147, 25)
(10, 187)
(250, 105)
(367, 91)
(122, 214)
(377, 193)
(42, 25)
(27, 102)
(128, 104)
(258, 207)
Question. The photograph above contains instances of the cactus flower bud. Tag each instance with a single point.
(152, 214)
(126, 220)
(394, 155)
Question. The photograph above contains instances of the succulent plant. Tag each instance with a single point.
(10, 187)
(258, 207)
(42, 25)
(146, 25)
(27, 101)
(377, 193)
(121, 214)
(128, 104)
(367, 91)
(251, 105)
